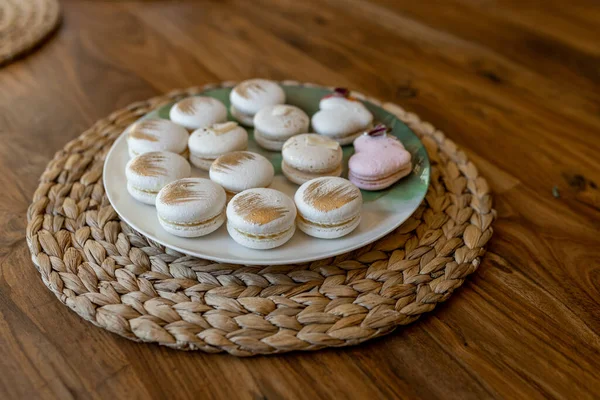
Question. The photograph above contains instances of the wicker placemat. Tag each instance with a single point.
(125, 283)
(24, 24)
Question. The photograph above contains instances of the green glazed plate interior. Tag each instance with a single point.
(383, 210)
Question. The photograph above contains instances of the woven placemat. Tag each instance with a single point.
(123, 282)
(24, 24)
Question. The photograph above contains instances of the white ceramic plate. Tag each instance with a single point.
(383, 211)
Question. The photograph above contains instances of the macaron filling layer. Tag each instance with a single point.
(302, 218)
(346, 135)
(263, 236)
(202, 159)
(314, 170)
(237, 113)
(307, 175)
(273, 145)
(193, 224)
(147, 191)
(185, 153)
(376, 179)
(271, 138)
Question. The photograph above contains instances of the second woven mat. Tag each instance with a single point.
(125, 283)
(24, 24)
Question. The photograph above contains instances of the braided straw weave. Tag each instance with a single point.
(123, 282)
(24, 24)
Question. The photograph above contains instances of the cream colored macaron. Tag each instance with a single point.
(191, 207)
(250, 96)
(273, 125)
(207, 144)
(309, 156)
(198, 112)
(156, 135)
(149, 172)
(328, 208)
(241, 170)
(261, 218)
(342, 117)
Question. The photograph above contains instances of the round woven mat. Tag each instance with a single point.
(123, 282)
(25, 23)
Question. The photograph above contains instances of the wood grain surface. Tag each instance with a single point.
(514, 83)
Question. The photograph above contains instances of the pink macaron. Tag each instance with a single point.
(379, 161)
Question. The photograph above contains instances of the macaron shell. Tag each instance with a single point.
(261, 211)
(152, 171)
(250, 96)
(281, 121)
(241, 170)
(312, 153)
(378, 156)
(190, 201)
(217, 140)
(339, 117)
(198, 112)
(299, 177)
(328, 200)
(156, 135)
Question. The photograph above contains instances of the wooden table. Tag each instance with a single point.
(515, 83)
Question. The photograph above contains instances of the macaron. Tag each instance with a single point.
(273, 125)
(198, 112)
(241, 170)
(261, 218)
(341, 117)
(156, 135)
(250, 96)
(379, 160)
(149, 172)
(191, 207)
(207, 144)
(309, 156)
(328, 208)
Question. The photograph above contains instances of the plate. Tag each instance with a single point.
(383, 211)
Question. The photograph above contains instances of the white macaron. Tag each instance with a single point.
(207, 144)
(328, 208)
(261, 218)
(250, 96)
(191, 207)
(198, 112)
(309, 156)
(342, 117)
(273, 125)
(149, 172)
(241, 170)
(156, 135)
